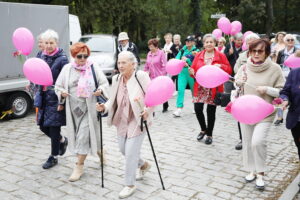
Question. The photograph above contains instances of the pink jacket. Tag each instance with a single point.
(156, 64)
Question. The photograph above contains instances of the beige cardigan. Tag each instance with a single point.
(134, 91)
(267, 74)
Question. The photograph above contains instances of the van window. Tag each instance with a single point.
(98, 44)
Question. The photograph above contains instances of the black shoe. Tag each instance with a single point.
(51, 162)
(278, 122)
(165, 110)
(63, 147)
(208, 140)
(201, 135)
(239, 146)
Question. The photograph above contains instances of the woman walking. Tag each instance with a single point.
(125, 108)
(156, 64)
(263, 78)
(209, 56)
(76, 88)
(51, 115)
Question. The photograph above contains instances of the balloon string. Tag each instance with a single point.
(61, 90)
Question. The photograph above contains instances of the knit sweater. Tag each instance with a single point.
(266, 74)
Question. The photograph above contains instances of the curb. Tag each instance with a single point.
(291, 191)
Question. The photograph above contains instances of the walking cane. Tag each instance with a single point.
(240, 132)
(99, 116)
(152, 148)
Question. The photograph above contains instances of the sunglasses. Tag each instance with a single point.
(290, 40)
(254, 51)
(80, 56)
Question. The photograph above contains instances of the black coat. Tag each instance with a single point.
(291, 92)
(175, 49)
(281, 58)
(48, 114)
(233, 57)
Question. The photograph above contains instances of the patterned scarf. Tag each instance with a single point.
(86, 83)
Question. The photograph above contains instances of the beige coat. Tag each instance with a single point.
(267, 74)
(134, 91)
(240, 61)
(62, 85)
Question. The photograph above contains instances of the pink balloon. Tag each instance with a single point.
(160, 90)
(225, 25)
(245, 34)
(245, 46)
(23, 40)
(236, 27)
(251, 109)
(292, 61)
(210, 76)
(217, 33)
(174, 66)
(38, 71)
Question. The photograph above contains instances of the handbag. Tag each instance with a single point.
(100, 99)
(222, 99)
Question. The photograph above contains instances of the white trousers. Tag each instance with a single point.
(255, 146)
(131, 149)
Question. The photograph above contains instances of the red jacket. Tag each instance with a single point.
(219, 58)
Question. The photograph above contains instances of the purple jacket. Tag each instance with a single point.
(291, 92)
(156, 64)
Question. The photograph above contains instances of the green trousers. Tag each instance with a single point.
(184, 78)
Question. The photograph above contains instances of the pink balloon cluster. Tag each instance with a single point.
(174, 66)
(23, 40)
(251, 109)
(210, 76)
(229, 28)
(292, 61)
(160, 90)
(38, 71)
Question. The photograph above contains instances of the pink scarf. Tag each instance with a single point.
(53, 53)
(86, 84)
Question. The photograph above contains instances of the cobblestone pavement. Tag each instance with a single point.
(190, 169)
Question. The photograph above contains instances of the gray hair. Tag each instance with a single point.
(39, 37)
(287, 36)
(222, 39)
(238, 36)
(177, 36)
(131, 57)
(251, 36)
(50, 34)
(209, 36)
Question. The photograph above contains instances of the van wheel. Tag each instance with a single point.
(20, 103)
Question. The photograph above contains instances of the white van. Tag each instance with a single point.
(75, 30)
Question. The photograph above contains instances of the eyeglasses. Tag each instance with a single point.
(80, 56)
(259, 51)
(290, 40)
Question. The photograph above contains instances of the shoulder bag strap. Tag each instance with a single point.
(94, 76)
(139, 83)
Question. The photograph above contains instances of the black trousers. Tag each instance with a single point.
(296, 136)
(211, 117)
(53, 132)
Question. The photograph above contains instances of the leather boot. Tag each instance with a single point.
(77, 173)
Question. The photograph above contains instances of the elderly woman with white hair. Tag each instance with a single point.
(289, 41)
(125, 108)
(51, 115)
(221, 44)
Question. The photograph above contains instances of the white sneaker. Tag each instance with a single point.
(177, 113)
(175, 93)
(193, 111)
(127, 192)
(250, 177)
(260, 182)
(142, 172)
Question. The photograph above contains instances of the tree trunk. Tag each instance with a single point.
(270, 17)
(196, 15)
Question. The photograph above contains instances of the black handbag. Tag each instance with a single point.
(100, 99)
(222, 99)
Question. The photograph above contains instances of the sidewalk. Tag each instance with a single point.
(191, 170)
